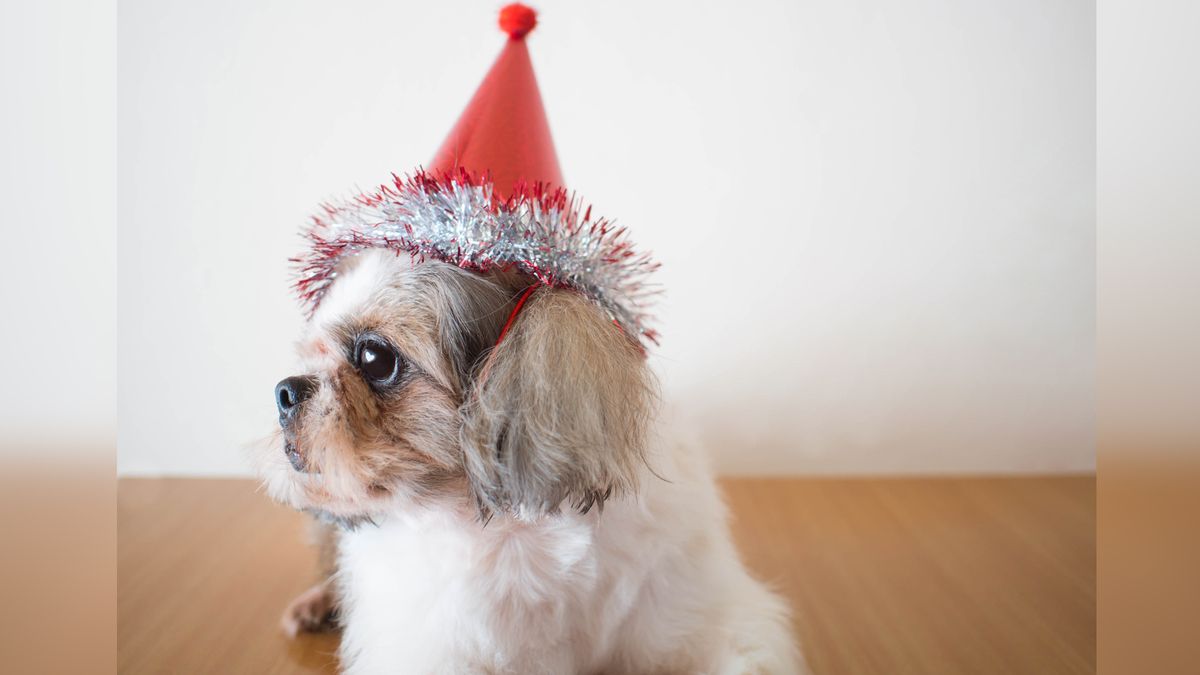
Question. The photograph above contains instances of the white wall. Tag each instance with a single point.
(875, 218)
(58, 289)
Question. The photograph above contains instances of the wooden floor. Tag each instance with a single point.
(886, 576)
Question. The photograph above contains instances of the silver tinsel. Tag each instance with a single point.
(457, 218)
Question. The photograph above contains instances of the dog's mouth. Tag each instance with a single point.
(298, 462)
(294, 456)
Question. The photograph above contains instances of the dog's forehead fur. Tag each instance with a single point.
(378, 293)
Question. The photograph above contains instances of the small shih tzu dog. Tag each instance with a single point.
(506, 510)
(472, 431)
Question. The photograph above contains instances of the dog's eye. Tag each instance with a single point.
(377, 361)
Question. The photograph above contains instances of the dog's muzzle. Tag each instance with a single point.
(290, 393)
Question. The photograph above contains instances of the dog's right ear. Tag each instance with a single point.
(558, 411)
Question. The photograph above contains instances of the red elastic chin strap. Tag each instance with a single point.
(512, 316)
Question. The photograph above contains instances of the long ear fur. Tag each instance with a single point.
(470, 311)
(559, 411)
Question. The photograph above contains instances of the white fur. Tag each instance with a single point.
(650, 585)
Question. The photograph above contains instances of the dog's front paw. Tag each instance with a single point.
(311, 611)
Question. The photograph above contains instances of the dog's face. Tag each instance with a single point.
(405, 398)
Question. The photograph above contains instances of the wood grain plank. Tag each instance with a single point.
(888, 576)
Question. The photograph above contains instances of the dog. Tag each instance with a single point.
(492, 505)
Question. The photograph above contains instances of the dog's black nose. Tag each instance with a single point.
(290, 393)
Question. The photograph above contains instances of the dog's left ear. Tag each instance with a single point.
(559, 410)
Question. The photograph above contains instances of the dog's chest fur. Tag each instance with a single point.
(650, 585)
(510, 596)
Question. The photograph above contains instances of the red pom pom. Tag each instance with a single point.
(517, 20)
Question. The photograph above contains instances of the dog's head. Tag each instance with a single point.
(406, 397)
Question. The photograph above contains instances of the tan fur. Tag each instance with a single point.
(560, 411)
(325, 536)
(311, 611)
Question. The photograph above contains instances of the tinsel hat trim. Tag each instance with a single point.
(457, 217)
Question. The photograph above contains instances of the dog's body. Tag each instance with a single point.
(504, 508)
(651, 584)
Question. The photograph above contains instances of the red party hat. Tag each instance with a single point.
(503, 131)
(493, 197)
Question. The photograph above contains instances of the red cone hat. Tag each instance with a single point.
(503, 131)
(493, 198)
